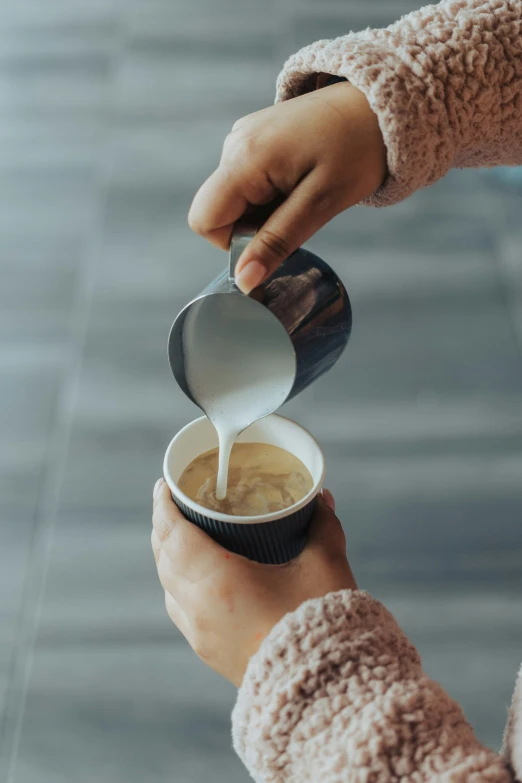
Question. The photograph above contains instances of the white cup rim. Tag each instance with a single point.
(246, 520)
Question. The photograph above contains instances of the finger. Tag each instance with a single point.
(326, 539)
(169, 522)
(225, 197)
(329, 499)
(159, 483)
(155, 493)
(309, 206)
(216, 206)
(164, 511)
(170, 581)
(156, 545)
(176, 614)
(190, 552)
(326, 532)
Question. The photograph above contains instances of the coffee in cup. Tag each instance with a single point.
(273, 538)
(262, 478)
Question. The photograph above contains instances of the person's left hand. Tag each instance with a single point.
(224, 604)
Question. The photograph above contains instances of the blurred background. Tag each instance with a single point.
(112, 114)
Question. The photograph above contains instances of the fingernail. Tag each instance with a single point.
(157, 486)
(251, 276)
(329, 499)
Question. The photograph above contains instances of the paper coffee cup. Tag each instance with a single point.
(271, 538)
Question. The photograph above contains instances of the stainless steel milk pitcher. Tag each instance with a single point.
(304, 294)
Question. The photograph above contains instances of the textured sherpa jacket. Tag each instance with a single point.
(336, 693)
(445, 83)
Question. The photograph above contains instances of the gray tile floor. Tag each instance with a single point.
(111, 114)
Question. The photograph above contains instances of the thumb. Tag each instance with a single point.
(308, 207)
(327, 544)
(329, 499)
(326, 532)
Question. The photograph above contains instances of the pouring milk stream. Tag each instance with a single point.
(239, 358)
(238, 372)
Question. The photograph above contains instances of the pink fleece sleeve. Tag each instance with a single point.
(336, 694)
(444, 81)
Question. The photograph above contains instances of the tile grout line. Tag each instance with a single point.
(45, 519)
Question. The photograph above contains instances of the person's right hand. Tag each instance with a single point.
(313, 156)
